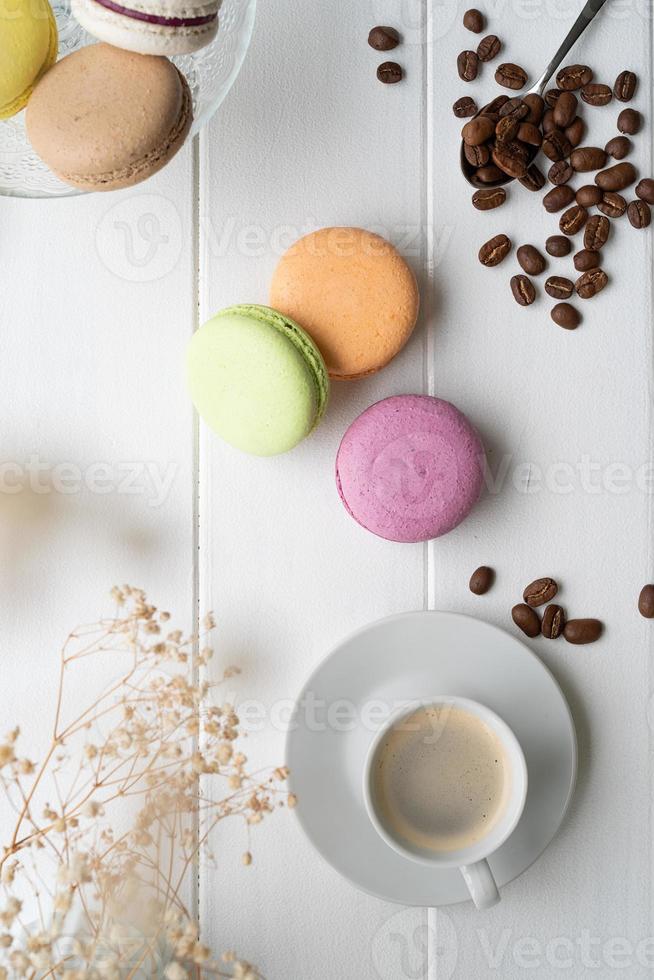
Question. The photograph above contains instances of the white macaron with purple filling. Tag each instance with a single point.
(159, 27)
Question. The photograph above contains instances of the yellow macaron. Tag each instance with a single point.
(28, 47)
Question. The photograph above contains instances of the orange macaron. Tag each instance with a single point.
(353, 293)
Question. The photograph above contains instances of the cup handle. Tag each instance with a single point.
(481, 884)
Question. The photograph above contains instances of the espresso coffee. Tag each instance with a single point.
(440, 779)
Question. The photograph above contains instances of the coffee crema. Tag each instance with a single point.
(440, 779)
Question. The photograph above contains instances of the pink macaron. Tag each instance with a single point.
(410, 468)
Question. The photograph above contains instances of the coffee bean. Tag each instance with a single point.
(514, 106)
(639, 214)
(482, 580)
(618, 147)
(477, 156)
(616, 178)
(496, 105)
(474, 20)
(556, 145)
(464, 107)
(507, 128)
(530, 260)
(576, 131)
(587, 158)
(560, 172)
(597, 232)
(468, 65)
(534, 179)
(512, 158)
(565, 109)
(487, 200)
(495, 251)
(625, 86)
(596, 94)
(587, 259)
(548, 123)
(383, 38)
(536, 106)
(553, 620)
(645, 190)
(489, 48)
(529, 133)
(566, 316)
(489, 175)
(539, 592)
(551, 97)
(612, 204)
(523, 290)
(558, 246)
(573, 220)
(630, 121)
(581, 631)
(558, 287)
(558, 198)
(588, 195)
(526, 619)
(591, 283)
(478, 130)
(389, 72)
(646, 602)
(573, 77)
(511, 76)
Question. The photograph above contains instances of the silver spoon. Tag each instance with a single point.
(591, 9)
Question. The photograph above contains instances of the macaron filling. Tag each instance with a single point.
(157, 19)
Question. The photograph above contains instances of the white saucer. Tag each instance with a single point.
(412, 657)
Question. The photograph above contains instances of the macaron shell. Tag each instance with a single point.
(105, 118)
(410, 468)
(354, 294)
(28, 48)
(139, 35)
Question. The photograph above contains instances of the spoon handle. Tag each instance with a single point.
(583, 20)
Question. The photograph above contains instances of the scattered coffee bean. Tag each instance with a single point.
(565, 109)
(539, 592)
(597, 232)
(548, 123)
(566, 316)
(536, 106)
(591, 283)
(616, 178)
(478, 130)
(558, 287)
(587, 259)
(576, 131)
(495, 251)
(474, 21)
(534, 179)
(468, 65)
(488, 199)
(587, 158)
(506, 128)
(478, 156)
(613, 205)
(482, 580)
(556, 145)
(489, 175)
(383, 38)
(596, 94)
(551, 97)
(511, 76)
(558, 198)
(512, 158)
(523, 290)
(639, 214)
(573, 77)
(560, 172)
(489, 48)
(553, 620)
(618, 147)
(389, 72)
(645, 190)
(588, 195)
(465, 107)
(625, 86)
(529, 133)
(581, 631)
(646, 602)
(558, 246)
(573, 220)
(530, 260)
(630, 121)
(526, 619)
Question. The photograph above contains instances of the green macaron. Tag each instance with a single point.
(257, 379)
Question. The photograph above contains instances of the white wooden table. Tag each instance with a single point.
(98, 298)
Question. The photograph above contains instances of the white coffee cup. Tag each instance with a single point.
(472, 860)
